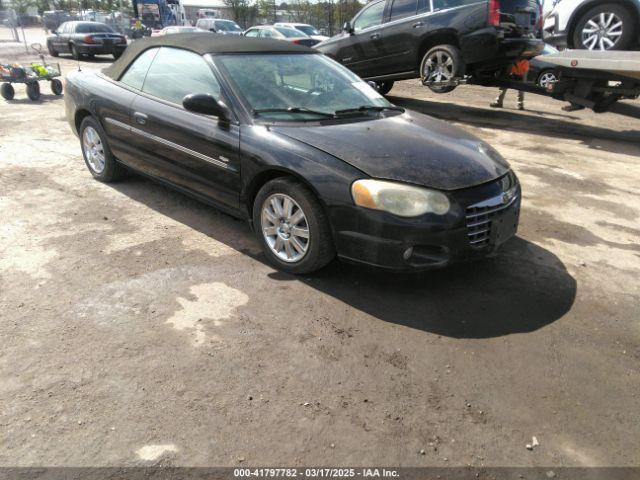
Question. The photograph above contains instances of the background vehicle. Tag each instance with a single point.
(176, 29)
(542, 73)
(158, 14)
(281, 33)
(207, 13)
(86, 38)
(304, 28)
(225, 27)
(438, 41)
(593, 24)
(320, 180)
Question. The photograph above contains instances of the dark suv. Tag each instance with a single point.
(439, 41)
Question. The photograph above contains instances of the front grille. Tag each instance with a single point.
(480, 218)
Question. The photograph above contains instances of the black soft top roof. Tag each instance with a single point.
(202, 43)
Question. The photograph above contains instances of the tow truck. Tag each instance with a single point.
(589, 78)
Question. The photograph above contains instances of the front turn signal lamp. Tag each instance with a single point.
(399, 199)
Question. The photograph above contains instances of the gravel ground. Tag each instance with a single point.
(140, 327)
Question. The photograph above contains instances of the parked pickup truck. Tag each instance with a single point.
(438, 41)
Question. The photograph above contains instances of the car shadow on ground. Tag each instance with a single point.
(521, 290)
(593, 137)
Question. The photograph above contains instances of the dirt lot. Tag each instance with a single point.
(140, 327)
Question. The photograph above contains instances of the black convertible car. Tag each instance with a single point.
(316, 159)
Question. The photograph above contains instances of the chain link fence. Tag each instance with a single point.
(8, 26)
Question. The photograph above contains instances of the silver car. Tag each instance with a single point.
(593, 24)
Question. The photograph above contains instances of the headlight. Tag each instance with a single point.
(399, 199)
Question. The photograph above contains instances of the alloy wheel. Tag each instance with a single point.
(547, 79)
(602, 32)
(93, 149)
(438, 67)
(285, 228)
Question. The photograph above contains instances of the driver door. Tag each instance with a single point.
(196, 152)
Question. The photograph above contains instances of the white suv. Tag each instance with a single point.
(593, 24)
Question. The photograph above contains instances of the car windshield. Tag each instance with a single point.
(298, 87)
(93, 28)
(227, 26)
(290, 32)
(308, 29)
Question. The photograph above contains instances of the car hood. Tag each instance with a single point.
(411, 148)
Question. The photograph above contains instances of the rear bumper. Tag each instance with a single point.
(99, 49)
(383, 240)
(489, 46)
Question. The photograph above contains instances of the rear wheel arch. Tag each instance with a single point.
(440, 37)
(633, 9)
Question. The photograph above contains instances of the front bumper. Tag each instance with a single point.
(384, 240)
(100, 49)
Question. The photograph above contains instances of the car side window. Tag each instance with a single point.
(176, 73)
(267, 33)
(424, 6)
(252, 33)
(403, 8)
(137, 71)
(369, 17)
(445, 4)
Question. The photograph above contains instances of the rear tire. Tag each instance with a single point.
(545, 78)
(272, 227)
(33, 91)
(442, 63)
(607, 16)
(96, 152)
(7, 91)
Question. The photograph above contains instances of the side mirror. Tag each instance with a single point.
(347, 28)
(56, 32)
(205, 103)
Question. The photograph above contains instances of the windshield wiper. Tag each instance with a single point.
(258, 111)
(368, 108)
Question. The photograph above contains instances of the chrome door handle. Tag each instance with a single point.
(417, 24)
(374, 36)
(140, 118)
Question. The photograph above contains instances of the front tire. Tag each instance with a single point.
(96, 152)
(441, 64)
(117, 55)
(605, 27)
(292, 227)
